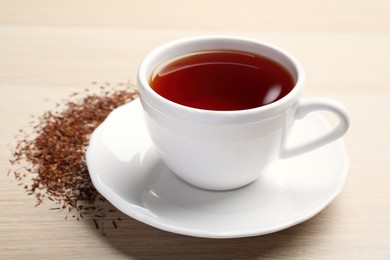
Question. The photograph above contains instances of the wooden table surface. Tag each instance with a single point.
(49, 49)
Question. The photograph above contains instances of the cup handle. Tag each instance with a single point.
(318, 104)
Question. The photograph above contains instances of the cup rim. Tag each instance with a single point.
(168, 107)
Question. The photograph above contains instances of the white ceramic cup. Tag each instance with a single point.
(222, 150)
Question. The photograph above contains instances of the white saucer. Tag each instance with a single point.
(126, 169)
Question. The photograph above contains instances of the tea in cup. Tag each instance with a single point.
(219, 108)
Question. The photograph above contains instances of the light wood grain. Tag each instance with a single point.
(49, 49)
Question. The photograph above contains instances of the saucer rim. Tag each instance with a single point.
(149, 218)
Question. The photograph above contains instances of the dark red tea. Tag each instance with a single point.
(222, 80)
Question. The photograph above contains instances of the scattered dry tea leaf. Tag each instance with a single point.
(53, 155)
